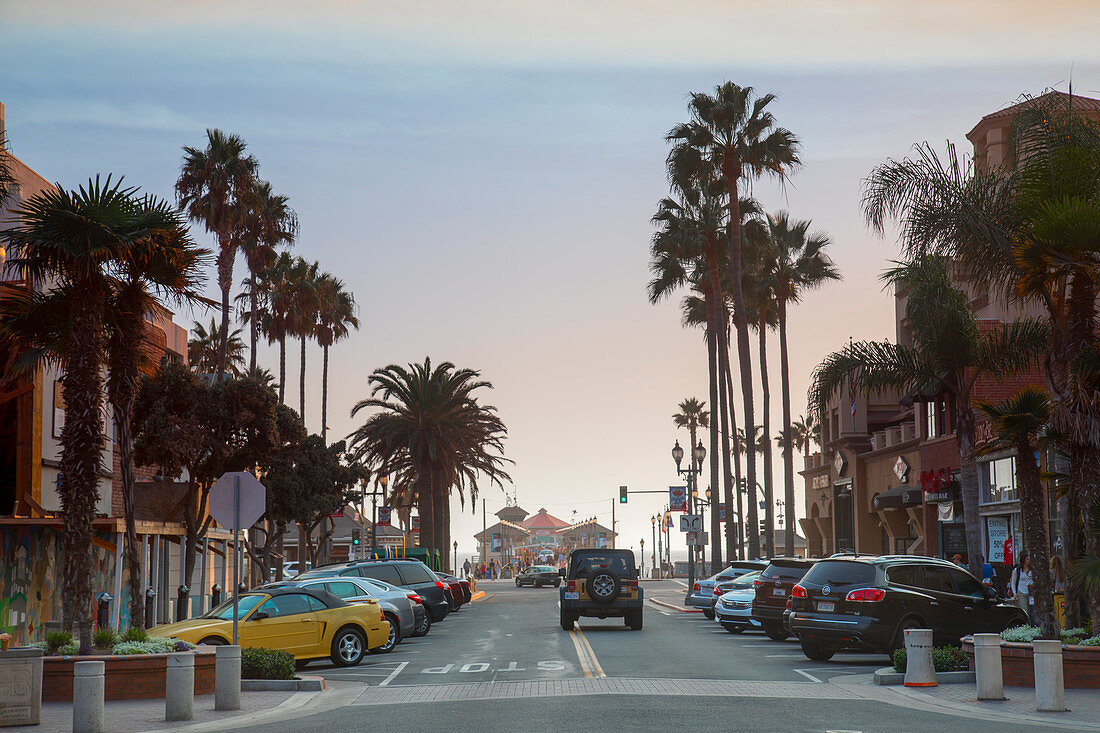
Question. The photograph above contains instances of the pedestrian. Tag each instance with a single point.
(1057, 574)
(958, 560)
(466, 568)
(1020, 584)
(988, 573)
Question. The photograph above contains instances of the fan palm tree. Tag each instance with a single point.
(732, 135)
(87, 246)
(335, 319)
(430, 432)
(805, 431)
(7, 177)
(269, 223)
(275, 302)
(214, 187)
(204, 349)
(302, 281)
(1016, 424)
(793, 261)
(948, 355)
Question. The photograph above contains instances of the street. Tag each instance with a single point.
(681, 669)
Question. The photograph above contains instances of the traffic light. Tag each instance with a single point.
(622, 494)
(356, 536)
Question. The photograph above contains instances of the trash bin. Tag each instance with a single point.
(21, 695)
(1060, 609)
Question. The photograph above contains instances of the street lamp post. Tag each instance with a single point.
(653, 558)
(385, 480)
(641, 544)
(454, 568)
(698, 454)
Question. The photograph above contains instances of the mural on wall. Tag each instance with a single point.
(29, 592)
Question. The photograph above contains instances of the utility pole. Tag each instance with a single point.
(612, 523)
(484, 529)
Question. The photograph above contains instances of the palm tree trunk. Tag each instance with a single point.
(226, 254)
(713, 297)
(788, 443)
(282, 369)
(724, 397)
(744, 358)
(739, 534)
(425, 502)
(77, 486)
(968, 482)
(324, 395)
(1073, 539)
(1033, 514)
(444, 501)
(253, 331)
(765, 416)
(302, 384)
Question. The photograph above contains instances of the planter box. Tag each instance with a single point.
(1080, 664)
(136, 676)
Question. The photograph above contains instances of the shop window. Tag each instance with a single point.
(998, 480)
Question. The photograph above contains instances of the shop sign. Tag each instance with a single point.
(983, 433)
(819, 482)
(954, 540)
(901, 469)
(840, 463)
(997, 530)
(938, 485)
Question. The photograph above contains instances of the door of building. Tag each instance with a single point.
(843, 518)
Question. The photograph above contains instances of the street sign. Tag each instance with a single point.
(691, 523)
(697, 539)
(253, 500)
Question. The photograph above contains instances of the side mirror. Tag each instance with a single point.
(259, 616)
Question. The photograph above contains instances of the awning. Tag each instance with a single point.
(899, 497)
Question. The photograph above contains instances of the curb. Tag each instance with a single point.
(675, 608)
(477, 596)
(888, 677)
(302, 684)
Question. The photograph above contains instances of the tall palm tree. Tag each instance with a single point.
(302, 280)
(274, 309)
(7, 176)
(731, 136)
(335, 319)
(204, 349)
(793, 261)
(1016, 424)
(269, 223)
(948, 355)
(214, 187)
(430, 432)
(76, 243)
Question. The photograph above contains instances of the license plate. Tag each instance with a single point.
(574, 596)
(826, 606)
(779, 592)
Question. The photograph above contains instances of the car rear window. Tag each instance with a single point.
(387, 573)
(841, 573)
(618, 564)
(414, 572)
(784, 572)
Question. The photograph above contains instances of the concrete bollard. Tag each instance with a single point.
(987, 667)
(1050, 688)
(179, 687)
(919, 670)
(88, 697)
(227, 678)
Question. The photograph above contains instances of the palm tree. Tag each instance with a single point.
(302, 281)
(805, 432)
(1016, 424)
(214, 187)
(274, 307)
(335, 319)
(731, 135)
(692, 415)
(793, 262)
(430, 432)
(7, 177)
(269, 223)
(204, 349)
(83, 245)
(949, 354)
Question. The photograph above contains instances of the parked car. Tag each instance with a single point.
(308, 623)
(702, 593)
(397, 608)
(868, 603)
(423, 619)
(773, 586)
(454, 590)
(410, 574)
(290, 568)
(733, 609)
(462, 583)
(538, 575)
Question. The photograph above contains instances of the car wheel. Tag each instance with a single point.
(899, 635)
(567, 620)
(709, 613)
(214, 641)
(424, 626)
(634, 620)
(817, 652)
(733, 628)
(775, 630)
(393, 640)
(348, 647)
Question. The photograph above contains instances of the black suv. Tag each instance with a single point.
(773, 588)
(411, 574)
(868, 603)
(601, 583)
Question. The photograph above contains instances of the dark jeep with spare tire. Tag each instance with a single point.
(601, 584)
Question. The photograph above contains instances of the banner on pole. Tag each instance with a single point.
(677, 498)
(384, 516)
(721, 512)
(416, 524)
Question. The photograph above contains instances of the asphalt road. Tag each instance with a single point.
(513, 635)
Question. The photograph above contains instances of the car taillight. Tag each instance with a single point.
(633, 585)
(758, 582)
(439, 584)
(415, 598)
(798, 591)
(717, 591)
(572, 585)
(696, 587)
(866, 595)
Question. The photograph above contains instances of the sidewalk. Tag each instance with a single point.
(136, 716)
(961, 700)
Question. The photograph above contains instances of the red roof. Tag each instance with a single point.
(1078, 102)
(543, 520)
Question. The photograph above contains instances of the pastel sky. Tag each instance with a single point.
(482, 174)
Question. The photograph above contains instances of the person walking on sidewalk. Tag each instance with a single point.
(466, 568)
(1020, 585)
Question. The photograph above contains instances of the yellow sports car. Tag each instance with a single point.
(308, 623)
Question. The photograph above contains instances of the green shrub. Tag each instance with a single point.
(1073, 636)
(135, 633)
(104, 638)
(154, 645)
(944, 659)
(1025, 634)
(258, 663)
(68, 650)
(57, 639)
(1093, 641)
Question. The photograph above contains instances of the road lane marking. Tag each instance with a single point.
(393, 674)
(596, 668)
(580, 654)
(808, 676)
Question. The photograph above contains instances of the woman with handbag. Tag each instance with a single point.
(1020, 585)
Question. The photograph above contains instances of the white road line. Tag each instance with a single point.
(808, 676)
(784, 656)
(393, 674)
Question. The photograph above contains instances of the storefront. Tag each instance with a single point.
(999, 508)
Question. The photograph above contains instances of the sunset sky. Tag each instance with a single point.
(482, 174)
